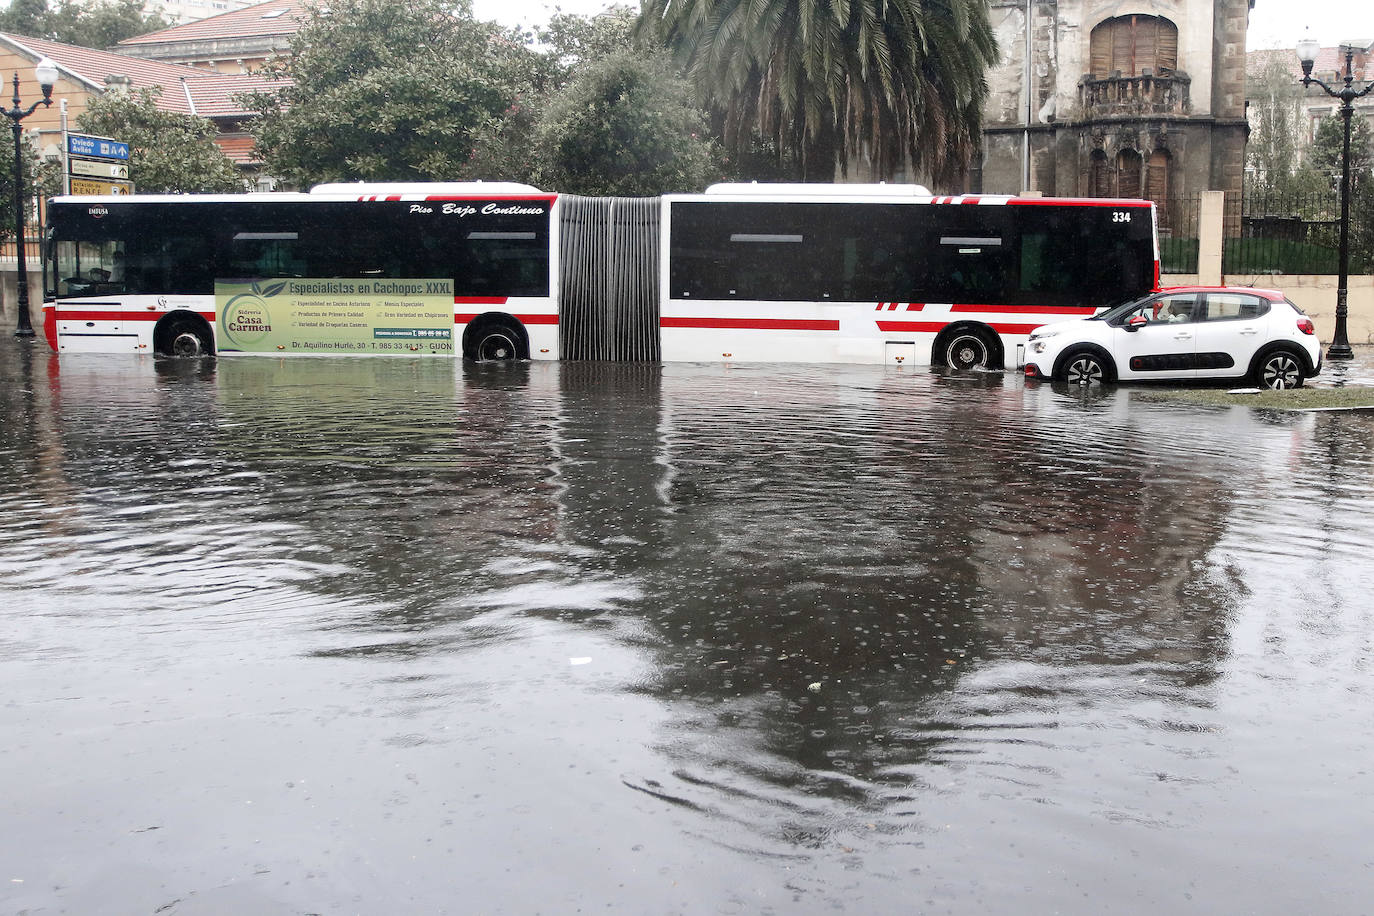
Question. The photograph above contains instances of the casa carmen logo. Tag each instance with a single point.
(246, 319)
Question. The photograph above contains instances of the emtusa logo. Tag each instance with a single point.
(98, 212)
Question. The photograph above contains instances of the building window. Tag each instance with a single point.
(1132, 45)
(1128, 173)
(1099, 175)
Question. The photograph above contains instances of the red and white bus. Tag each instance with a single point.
(869, 274)
(342, 269)
(799, 273)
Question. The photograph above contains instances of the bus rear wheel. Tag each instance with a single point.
(494, 341)
(968, 350)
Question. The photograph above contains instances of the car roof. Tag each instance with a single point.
(1270, 294)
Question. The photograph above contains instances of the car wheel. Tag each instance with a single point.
(1279, 370)
(1085, 369)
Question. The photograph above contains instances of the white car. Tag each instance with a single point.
(1185, 332)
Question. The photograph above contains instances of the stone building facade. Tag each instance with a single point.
(1120, 98)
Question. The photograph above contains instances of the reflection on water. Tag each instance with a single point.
(352, 634)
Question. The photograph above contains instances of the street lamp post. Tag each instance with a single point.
(46, 73)
(1307, 54)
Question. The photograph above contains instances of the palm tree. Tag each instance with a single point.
(827, 80)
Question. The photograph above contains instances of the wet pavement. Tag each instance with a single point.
(392, 635)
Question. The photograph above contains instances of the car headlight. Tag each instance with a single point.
(1042, 333)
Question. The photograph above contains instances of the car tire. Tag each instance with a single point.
(1278, 370)
(1084, 367)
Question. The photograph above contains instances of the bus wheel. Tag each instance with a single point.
(185, 338)
(494, 343)
(968, 350)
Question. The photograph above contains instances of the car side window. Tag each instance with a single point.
(1234, 306)
(1172, 309)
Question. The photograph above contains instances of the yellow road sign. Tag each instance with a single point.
(97, 168)
(91, 186)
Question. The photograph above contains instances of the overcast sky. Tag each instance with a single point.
(1280, 23)
(1273, 23)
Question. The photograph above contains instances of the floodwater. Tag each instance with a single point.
(409, 636)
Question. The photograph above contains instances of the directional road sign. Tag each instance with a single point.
(96, 147)
(92, 186)
(98, 168)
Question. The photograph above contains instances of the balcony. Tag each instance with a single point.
(1147, 94)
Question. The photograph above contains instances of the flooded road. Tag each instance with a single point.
(391, 635)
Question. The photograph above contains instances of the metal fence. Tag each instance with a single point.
(32, 250)
(1270, 234)
(1178, 234)
(1300, 234)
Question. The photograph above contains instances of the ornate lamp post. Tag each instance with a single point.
(46, 73)
(1307, 54)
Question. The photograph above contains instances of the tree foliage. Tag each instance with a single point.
(382, 91)
(42, 179)
(168, 152)
(1276, 117)
(88, 25)
(625, 125)
(1325, 155)
(889, 80)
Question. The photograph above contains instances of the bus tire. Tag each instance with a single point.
(494, 340)
(969, 348)
(183, 336)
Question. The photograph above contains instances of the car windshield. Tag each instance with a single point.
(1120, 309)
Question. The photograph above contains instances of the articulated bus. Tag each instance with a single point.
(799, 273)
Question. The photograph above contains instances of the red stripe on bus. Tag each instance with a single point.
(753, 324)
(1133, 203)
(934, 327)
(465, 317)
(1026, 309)
(541, 198)
(914, 327)
(479, 300)
(69, 315)
(897, 306)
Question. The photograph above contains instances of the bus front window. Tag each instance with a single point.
(88, 268)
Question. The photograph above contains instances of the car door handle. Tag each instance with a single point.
(1249, 332)
(1183, 337)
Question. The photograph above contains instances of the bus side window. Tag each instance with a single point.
(266, 254)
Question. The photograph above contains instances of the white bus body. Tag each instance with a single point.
(139, 273)
(884, 274)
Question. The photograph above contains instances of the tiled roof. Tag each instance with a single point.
(1329, 61)
(239, 149)
(213, 94)
(92, 67)
(184, 89)
(275, 17)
